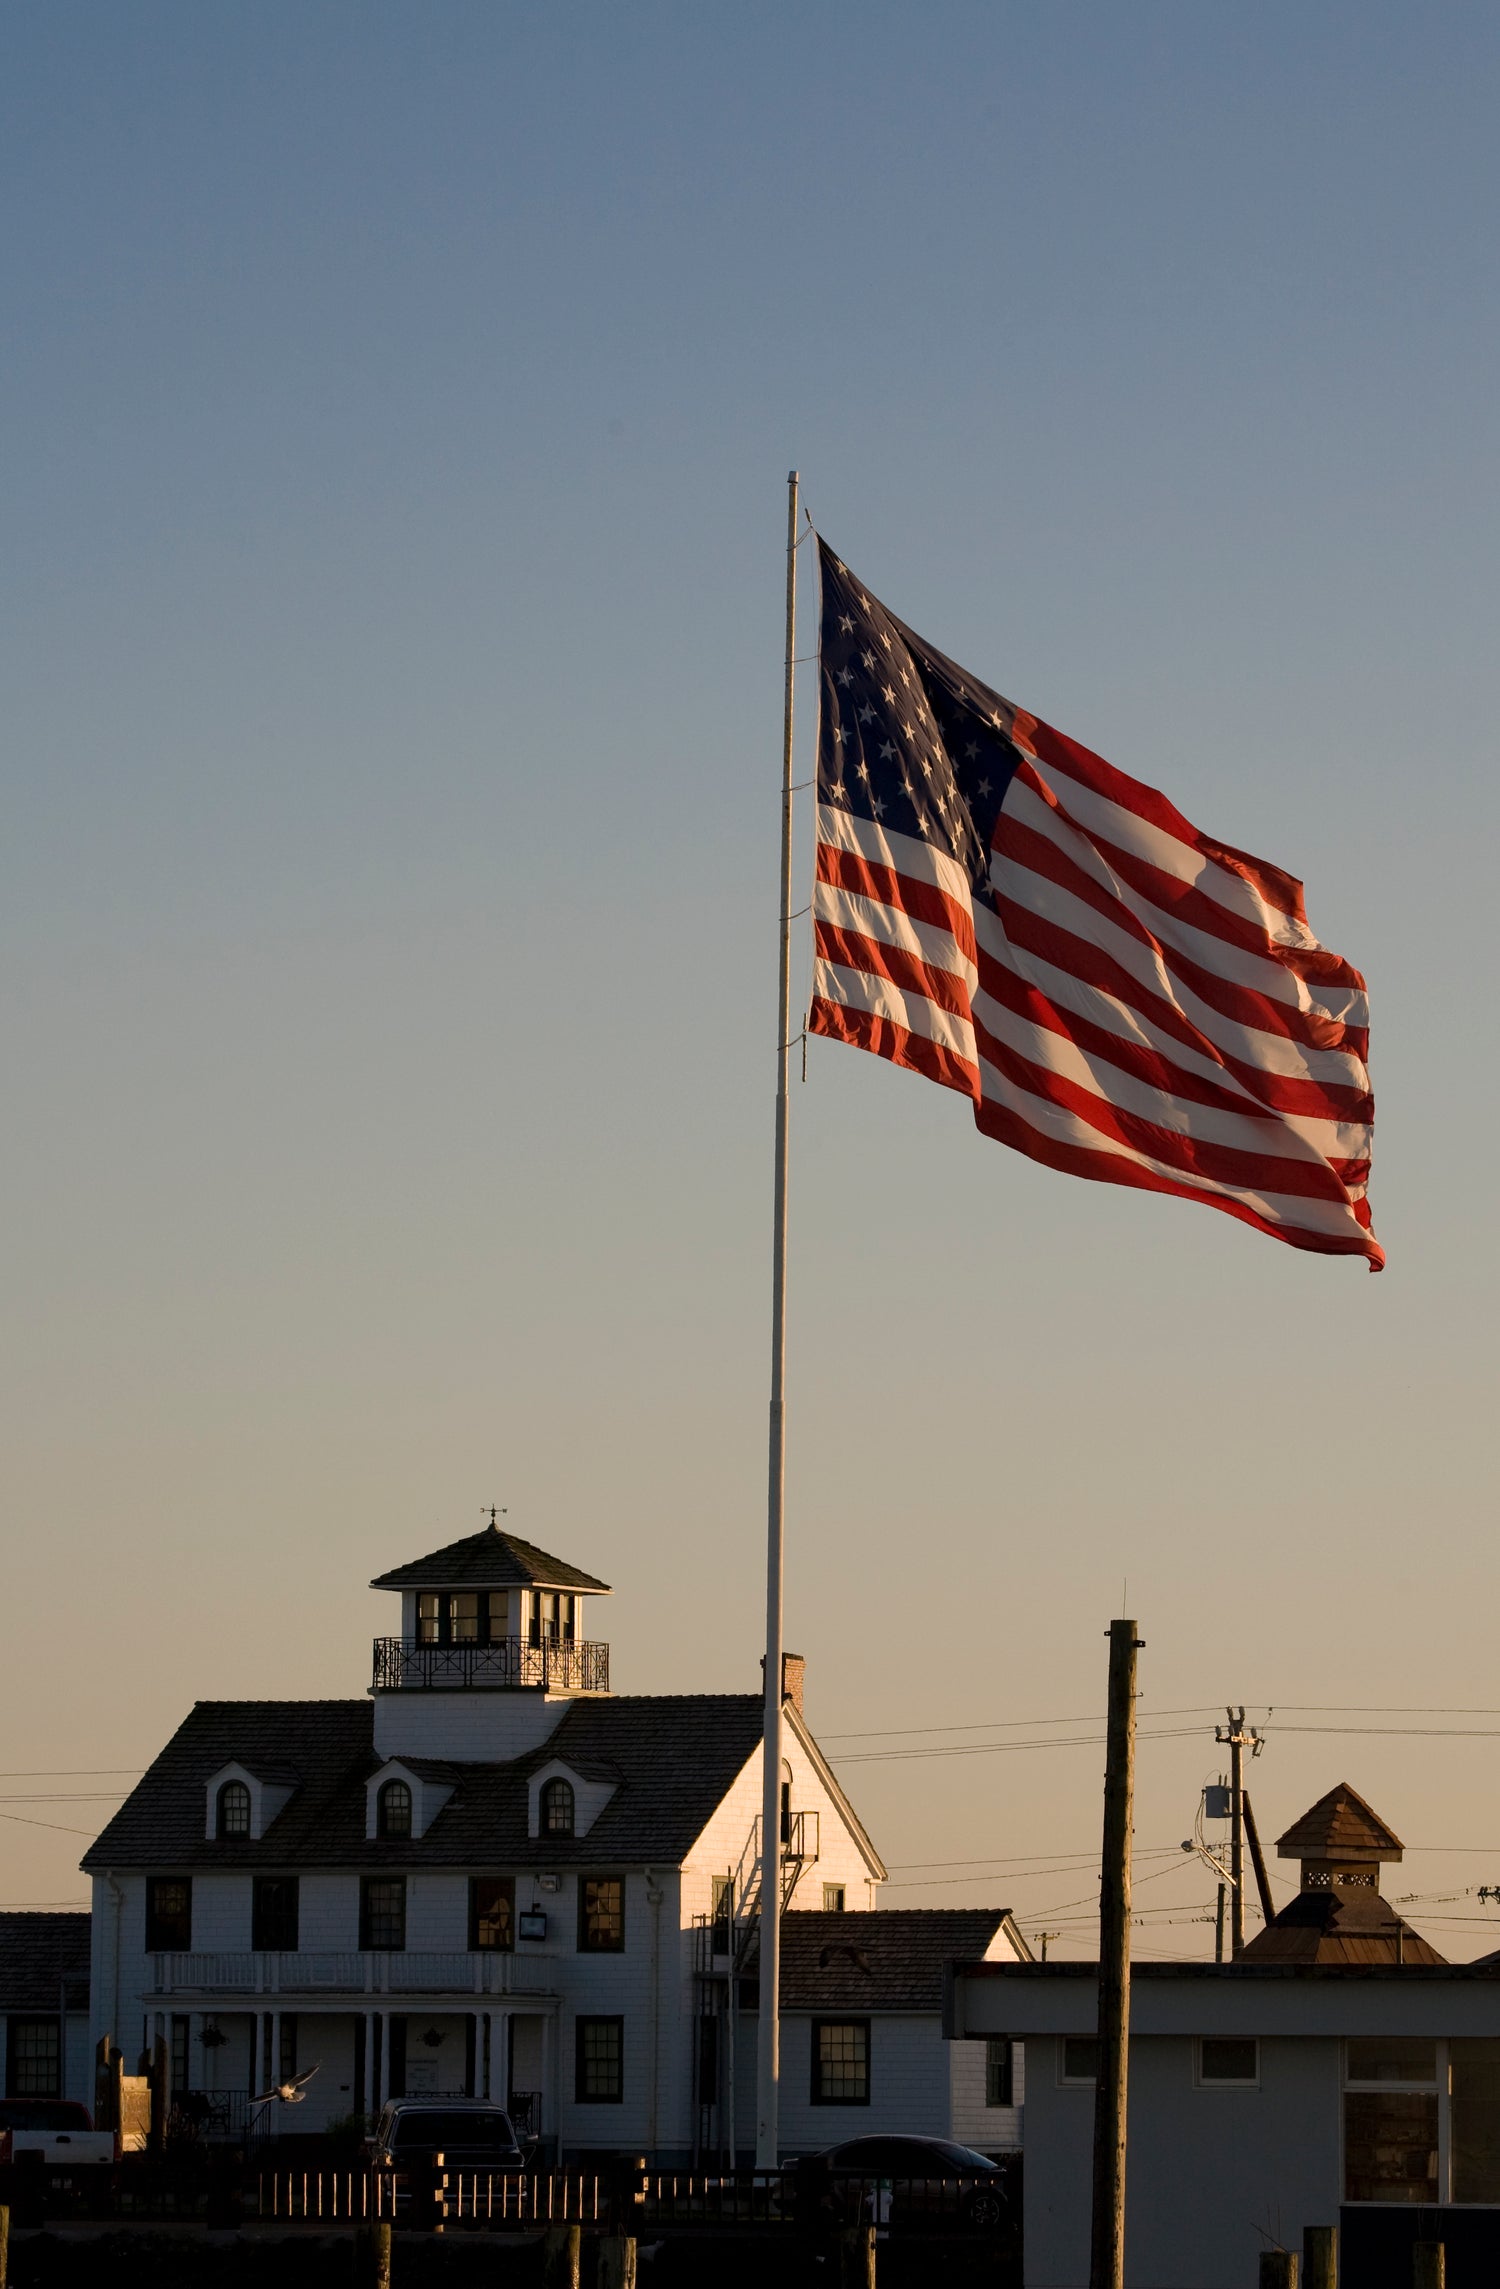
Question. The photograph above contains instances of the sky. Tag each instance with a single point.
(399, 403)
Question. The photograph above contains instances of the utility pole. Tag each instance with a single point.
(1219, 1928)
(1234, 1737)
(1107, 2253)
(1043, 1937)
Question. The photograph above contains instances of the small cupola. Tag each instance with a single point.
(495, 1613)
(1338, 1915)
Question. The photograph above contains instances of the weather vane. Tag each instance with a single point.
(493, 1514)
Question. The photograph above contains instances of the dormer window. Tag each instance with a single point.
(233, 1815)
(557, 1808)
(393, 1809)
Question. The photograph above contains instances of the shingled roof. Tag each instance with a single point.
(492, 1560)
(1340, 1826)
(41, 1957)
(676, 1756)
(882, 1959)
(1339, 1926)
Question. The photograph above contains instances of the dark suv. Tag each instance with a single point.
(470, 2134)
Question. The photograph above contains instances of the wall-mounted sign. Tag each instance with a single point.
(531, 1923)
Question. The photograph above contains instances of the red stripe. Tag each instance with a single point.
(923, 901)
(1074, 1160)
(1283, 1092)
(1197, 908)
(1272, 883)
(1240, 1003)
(862, 1030)
(1194, 1156)
(855, 952)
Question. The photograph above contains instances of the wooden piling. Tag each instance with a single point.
(1278, 2269)
(1320, 2257)
(560, 2257)
(617, 2261)
(4, 2245)
(857, 2257)
(1428, 2265)
(372, 2255)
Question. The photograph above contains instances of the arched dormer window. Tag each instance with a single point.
(233, 1816)
(557, 1808)
(393, 1809)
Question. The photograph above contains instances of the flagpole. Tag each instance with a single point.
(768, 2043)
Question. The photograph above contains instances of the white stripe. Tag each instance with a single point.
(904, 854)
(1324, 1217)
(1275, 1052)
(1344, 1004)
(1096, 814)
(893, 926)
(862, 989)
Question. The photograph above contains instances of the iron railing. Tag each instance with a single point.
(580, 1666)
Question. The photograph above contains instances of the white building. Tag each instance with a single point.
(1340, 2074)
(493, 1876)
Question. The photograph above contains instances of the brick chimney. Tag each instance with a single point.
(793, 1670)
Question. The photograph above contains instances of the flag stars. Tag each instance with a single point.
(877, 806)
(984, 787)
(846, 676)
(888, 694)
(846, 624)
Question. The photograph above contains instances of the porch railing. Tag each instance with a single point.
(578, 1667)
(365, 1971)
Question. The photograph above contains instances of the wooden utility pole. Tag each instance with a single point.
(1234, 1737)
(1107, 2254)
(1258, 1862)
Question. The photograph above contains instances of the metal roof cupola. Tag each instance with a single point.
(488, 1617)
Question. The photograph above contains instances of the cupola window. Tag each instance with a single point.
(393, 1809)
(557, 1808)
(234, 1809)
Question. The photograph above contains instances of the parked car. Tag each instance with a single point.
(900, 2180)
(470, 2134)
(58, 2131)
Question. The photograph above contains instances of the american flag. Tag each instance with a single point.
(1117, 994)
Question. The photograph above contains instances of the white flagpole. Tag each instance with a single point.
(768, 2045)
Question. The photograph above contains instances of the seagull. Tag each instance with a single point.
(290, 2093)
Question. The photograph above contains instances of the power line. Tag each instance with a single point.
(74, 1772)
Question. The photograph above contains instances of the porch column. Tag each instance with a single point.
(273, 2053)
(486, 2033)
(197, 2056)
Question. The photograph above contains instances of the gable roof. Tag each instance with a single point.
(675, 1757)
(41, 1956)
(794, 1719)
(1339, 1826)
(880, 1959)
(490, 1559)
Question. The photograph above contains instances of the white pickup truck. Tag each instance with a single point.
(57, 2131)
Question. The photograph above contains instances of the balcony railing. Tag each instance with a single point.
(358, 1971)
(581, 1666)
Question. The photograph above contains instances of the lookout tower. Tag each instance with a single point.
(1338, 1915)
(492, 1647)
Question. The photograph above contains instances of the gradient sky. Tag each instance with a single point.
(398, 403)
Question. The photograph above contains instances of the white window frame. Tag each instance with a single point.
(1202, 2081)
(1439, 2084)
(1066, 2081)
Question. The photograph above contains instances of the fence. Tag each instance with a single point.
(803, 2197)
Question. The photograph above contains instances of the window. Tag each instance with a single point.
(180, 2077)
(722, 1897)
(286, 2065)
(430, 1615)
(833, 1897)
(999, 2071)
(841, 2062)
(1391, 2120)
(1227, 2060)
(601, 1915)
(708, 2062)
(382, 1912)
(492, 1901)
(273, 1913)
(1080, 2058)
(33, 2059)
(599, 2061)
(461, 1617)
(1474, 2122)
(557, 1808)
(786, 1812)
(393, 1809)
(234, 1809)
(169, 1914)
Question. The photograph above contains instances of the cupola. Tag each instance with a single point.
(1338, 1915)
(494, 1617)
